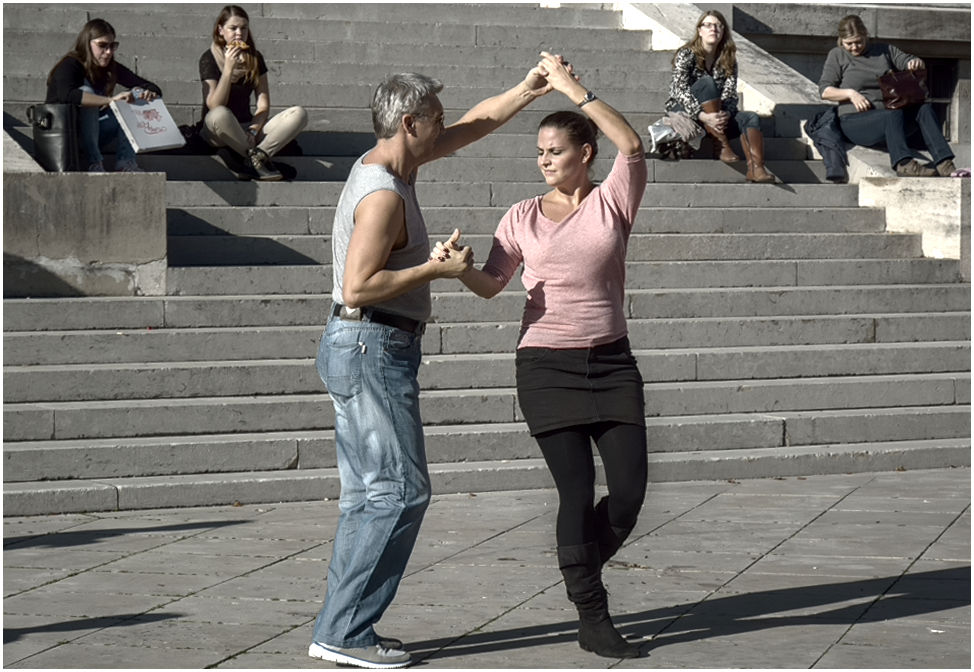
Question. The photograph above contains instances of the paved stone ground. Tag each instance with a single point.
(851, 571)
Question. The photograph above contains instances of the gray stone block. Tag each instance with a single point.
(797, 301)
(832, 360)
(820, 394)
(175, 380)
(83, 313)
(145, 456)
(883, 424)
(33, 499)
(798, 461)
(227, 489)
(134, 346)
(226, 280)
(27, 423)
(699, 247)
(132, 418)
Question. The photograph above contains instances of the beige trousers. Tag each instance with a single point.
(221, 129)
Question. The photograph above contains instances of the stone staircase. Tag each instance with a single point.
(780, 330)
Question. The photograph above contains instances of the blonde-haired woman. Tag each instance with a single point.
(850, 78)
(704, 86)
(232, 71)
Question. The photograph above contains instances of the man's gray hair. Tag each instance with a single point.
(399, 95)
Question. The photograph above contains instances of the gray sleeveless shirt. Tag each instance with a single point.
(362, 181)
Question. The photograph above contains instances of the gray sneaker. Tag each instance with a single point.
(375, 657)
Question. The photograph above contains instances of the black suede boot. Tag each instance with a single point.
(582, 568)
(610, 538)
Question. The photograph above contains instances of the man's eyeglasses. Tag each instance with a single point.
(715, 26)
(105, 46)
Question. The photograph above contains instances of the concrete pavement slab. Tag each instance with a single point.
(864, 570)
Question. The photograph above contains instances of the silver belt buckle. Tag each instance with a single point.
(353, 314)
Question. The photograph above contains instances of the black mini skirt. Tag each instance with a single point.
(562, 388)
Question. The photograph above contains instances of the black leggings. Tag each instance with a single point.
(568, 452)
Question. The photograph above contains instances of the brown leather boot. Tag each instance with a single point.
(722, 148)
(753, 142)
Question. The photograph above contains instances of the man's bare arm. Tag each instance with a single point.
(379, 228)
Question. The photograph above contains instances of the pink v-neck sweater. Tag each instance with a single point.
(574, 270)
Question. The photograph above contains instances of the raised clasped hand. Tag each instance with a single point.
(559, 74)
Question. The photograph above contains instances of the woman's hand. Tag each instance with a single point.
(715, 120)
(252, 137)
(860, 101)
(144, 94)
(559, 75)
(916, 64)
(127, 96)
(455, 260)
(231, 56)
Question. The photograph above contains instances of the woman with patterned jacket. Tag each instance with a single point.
(705, 87)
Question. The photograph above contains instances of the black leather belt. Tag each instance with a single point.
(380, 317)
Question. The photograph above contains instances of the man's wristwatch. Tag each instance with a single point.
(589, 97)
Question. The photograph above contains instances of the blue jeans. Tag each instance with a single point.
(370, 370)
(705, 89)
(873, 127)
(98, 128)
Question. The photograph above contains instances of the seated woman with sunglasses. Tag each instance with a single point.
(87, 76)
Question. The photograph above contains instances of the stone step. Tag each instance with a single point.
(230, 377)
(315, 249)
(315, 40)
(327, 95)
(464, 169)
(357, 121)
(222, 489)
(279, 21)
(483, 194)
(178, 312)
(178, 455)
(112, 346)
(226, 280)
(296, 412)
(440, 220)
(171, 73)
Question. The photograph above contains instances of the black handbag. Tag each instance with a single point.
(55, 129)
(903, 88)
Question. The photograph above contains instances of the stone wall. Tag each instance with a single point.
(81, 234)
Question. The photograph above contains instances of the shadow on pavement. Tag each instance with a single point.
(83, 538)
(79, 624)
(722, 616)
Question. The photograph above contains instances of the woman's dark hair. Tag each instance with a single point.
(726, 49)
(580, 130)
(249, 56)
(852, 26)
(100, 77)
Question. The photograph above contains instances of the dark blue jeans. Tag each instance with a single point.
(705, 89)
(872, 127)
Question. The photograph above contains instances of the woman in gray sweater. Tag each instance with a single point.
(851, 78)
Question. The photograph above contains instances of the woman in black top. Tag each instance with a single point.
(705, 87)
(851, 78)
(232, 70)
(87, 76)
